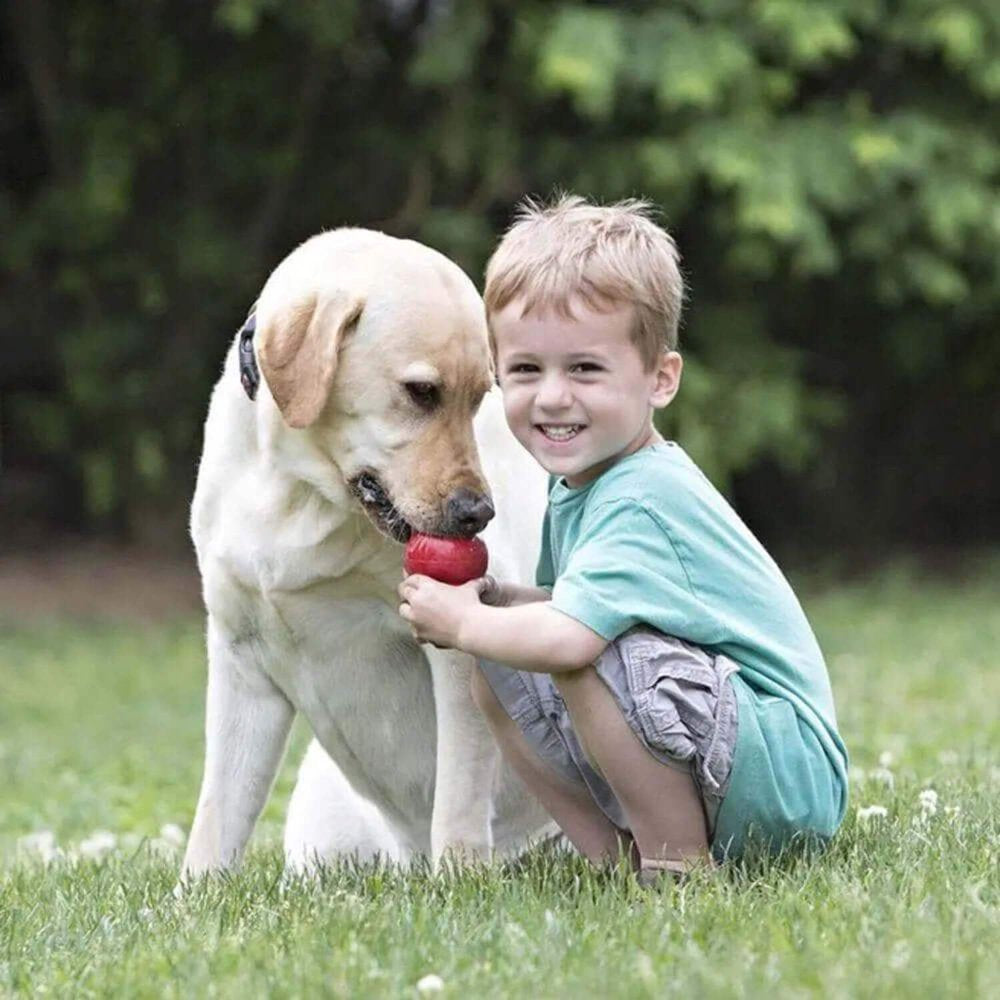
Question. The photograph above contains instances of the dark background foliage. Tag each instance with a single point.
(829, 169)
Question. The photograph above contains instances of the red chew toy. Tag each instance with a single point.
(450, 560)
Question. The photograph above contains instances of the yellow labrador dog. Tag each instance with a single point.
(342, 422)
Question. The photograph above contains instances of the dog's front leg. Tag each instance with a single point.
(467, 758)
(247, 721)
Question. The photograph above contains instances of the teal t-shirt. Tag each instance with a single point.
(651, 541)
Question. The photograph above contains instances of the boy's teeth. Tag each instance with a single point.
(560, 433)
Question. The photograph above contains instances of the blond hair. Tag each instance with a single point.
(607, 255)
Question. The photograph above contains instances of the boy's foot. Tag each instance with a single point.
(655, 871)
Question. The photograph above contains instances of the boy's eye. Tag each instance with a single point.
(586, 367)
(523, 368)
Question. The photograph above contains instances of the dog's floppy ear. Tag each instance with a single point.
(298, 353)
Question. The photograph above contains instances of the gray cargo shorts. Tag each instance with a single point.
(676, 698)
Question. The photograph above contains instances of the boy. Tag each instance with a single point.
(661, 688)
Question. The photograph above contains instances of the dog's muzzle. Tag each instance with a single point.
(465, 512)
(379, 508)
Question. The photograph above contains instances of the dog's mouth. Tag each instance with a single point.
(374, 499)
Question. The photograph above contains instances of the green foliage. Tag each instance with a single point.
(829, 168)
(581, 53)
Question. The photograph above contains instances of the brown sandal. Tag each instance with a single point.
(653, 871)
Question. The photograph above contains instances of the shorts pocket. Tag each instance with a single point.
(676, 691)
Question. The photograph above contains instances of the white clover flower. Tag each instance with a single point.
(899, 957)
(514, 931)
(885, 758)
(431, 983)
(884, 775)
(929, 802)
(169, 842)
(161, 848)
(99, 843)
(41, 843)
(172, 834)
(866, 813)
(644, 967)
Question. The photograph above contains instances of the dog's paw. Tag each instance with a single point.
(461, 854)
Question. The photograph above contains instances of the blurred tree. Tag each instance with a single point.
(829, 168)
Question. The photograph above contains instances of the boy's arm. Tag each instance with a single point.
(531, 636)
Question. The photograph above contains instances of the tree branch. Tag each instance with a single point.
(31, 26)
(261, 230)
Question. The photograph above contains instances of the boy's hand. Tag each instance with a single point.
(435, 610)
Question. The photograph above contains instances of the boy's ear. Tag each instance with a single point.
(668, 379)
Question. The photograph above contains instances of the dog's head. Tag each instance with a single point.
(376, 348)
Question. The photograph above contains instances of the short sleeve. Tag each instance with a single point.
(624, 571)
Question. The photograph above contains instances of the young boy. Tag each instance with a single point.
(661, 690)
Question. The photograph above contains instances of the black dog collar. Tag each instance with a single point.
(249, 374)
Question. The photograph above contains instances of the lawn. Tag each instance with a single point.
(100, 730)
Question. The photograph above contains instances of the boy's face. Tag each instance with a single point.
(575, 390)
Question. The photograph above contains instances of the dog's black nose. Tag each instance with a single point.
(467, 513)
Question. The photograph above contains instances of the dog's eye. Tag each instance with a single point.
(425, 394)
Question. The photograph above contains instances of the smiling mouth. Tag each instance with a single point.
(381, 511)
(560, 432)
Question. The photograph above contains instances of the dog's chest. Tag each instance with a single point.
(332, 644)
(352, 669)
(308, 597)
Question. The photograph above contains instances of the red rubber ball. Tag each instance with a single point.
(449, 560)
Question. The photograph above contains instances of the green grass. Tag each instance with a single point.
(100, 728)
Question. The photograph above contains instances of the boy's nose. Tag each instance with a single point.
(553, 393)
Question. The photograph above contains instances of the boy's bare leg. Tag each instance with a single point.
(578, 816)
(664, 809)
